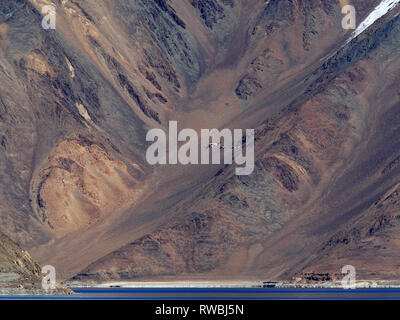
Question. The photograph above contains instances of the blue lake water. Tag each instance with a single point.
(227, 294)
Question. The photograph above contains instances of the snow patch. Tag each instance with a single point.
(384, 7)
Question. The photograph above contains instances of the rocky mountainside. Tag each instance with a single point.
(17, 269)
(76, 103)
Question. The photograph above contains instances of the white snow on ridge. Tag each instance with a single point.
(384, 7)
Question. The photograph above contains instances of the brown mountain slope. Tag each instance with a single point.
(318, 167)
(17, 269)
(76, 103)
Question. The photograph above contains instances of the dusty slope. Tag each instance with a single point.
(75, 104)
(302, 150)
(323, 161)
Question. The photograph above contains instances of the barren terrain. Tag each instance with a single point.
(76, 103)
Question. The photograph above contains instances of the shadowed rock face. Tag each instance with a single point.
(76, 103)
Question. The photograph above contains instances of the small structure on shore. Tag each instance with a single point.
(270, 284)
